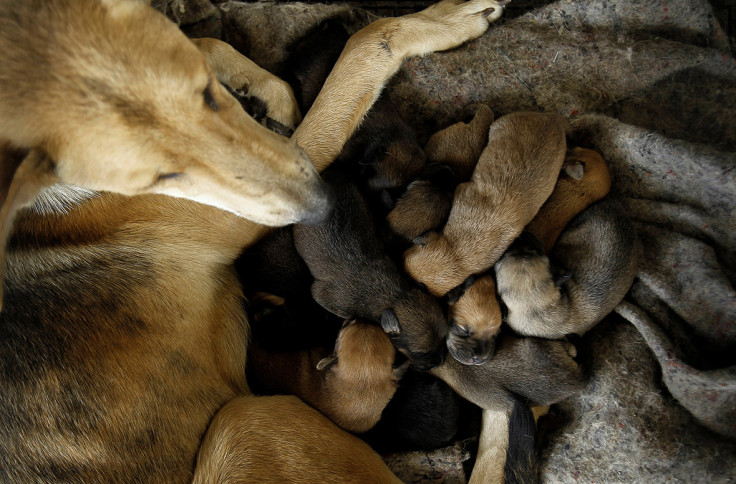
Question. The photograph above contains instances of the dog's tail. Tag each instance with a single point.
(22, 175)
(506, 450)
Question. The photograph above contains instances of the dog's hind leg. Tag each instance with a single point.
(279, 439)
(242, 74)
(371, 56)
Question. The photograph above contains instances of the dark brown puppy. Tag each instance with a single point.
(351, 386)
(514, 176)
(354, 278)
(540, 372)
(600, 251)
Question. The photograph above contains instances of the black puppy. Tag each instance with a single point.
(354, 278)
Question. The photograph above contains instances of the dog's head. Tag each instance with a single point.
(130, 105)
(475, 320)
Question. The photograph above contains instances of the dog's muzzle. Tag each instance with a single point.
(323, 200)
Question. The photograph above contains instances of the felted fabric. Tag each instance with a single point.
(651, 85)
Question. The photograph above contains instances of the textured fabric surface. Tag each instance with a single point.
(650, 84)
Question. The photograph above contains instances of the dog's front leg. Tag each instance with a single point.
(372, 56)
(242, 74)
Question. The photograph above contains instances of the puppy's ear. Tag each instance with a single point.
(390, 322)
(327, 362)
(454, 295)
(400, 371)
(23, 176)
(574, 169)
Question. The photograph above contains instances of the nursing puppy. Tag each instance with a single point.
(351, 386)
(529, 370)
(354, 278)
(584, 179)
(600, 252)
(516, 173)
(475, 320)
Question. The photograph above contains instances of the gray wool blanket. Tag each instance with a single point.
(651, 85)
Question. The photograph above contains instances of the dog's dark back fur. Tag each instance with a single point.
(355, 278)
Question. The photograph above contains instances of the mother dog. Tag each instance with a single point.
(122, 331)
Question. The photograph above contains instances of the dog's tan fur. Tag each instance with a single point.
(514, 176)
(351, 386)
(585, 179)
(123, 326)
(475, 320)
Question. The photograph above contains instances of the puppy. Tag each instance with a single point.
(460, 145)
(514, 176)
(383, 153)
(424, 205)
(351, 386)
(600, 251)
(354, 278)
(584, 179)
(276, 283)
(452, 154)
(535, 371)
(475, 320)
(424, 413)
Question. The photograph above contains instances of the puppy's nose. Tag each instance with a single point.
(323, 200)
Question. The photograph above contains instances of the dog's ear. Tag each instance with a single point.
(390, 322)
(23, 174)
(454, 295)
(327, 362)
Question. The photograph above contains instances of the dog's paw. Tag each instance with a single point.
(281, 102)
(453, 22)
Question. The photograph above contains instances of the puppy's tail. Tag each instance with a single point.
(506, 450)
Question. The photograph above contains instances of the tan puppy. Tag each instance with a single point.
(475, 320)
(351, 387)
(460, 145)
(453, 153)
(124, 334)
(584, 179)
(600, 252)
(514, 176)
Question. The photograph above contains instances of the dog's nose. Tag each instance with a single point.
(323, 197)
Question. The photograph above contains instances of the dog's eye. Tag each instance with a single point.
(462, 331)
(209, 99)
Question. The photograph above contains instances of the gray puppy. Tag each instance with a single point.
(600, 252)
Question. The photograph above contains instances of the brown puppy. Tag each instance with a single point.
(123, 330)
(514, 176)
(453, 153)
(460, 145)
(351, 387)
(600, 251)
(475, 320)
(584, 179)
(354, 278)
(536, 371)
